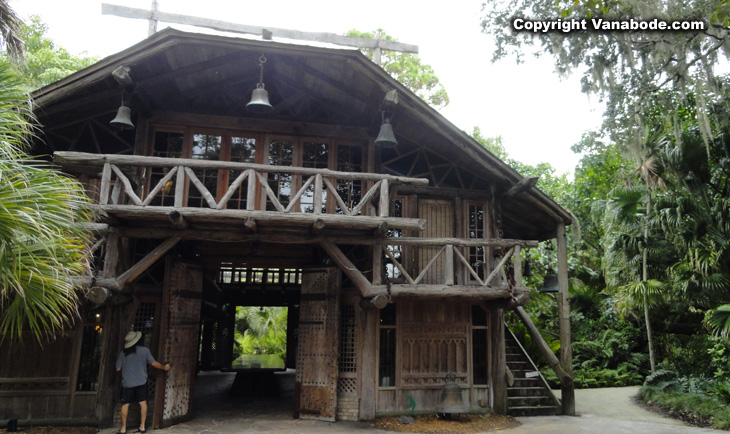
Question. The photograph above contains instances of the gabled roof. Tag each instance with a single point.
(340, 89)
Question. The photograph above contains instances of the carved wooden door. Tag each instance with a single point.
(316, 379)
(179, 342)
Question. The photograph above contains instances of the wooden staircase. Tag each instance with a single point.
(530, 394)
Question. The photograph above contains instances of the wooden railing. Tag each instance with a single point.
(180, 172)
(454, 262)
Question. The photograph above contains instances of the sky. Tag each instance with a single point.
(538, 115)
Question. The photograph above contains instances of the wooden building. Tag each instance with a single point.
(397, 261)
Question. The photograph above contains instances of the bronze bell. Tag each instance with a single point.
(550, 283)
(259, 100)
(450, 401)
(123, 119)
(386, 138)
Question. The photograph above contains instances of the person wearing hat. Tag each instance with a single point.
(132, 362)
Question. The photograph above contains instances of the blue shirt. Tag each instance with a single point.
(134, 366)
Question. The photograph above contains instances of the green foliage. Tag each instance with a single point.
(42, 246)
(408, 69)
(260, 330)
(45, 62)
(626, 68)
(696, 408)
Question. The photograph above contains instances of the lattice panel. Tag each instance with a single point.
(346, 386)
(347, 361)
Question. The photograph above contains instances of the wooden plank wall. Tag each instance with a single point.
(434, 339)
(37, 380)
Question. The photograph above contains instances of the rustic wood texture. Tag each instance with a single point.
(180, 327)
(566, 349)
(316, 377)
(439, 216)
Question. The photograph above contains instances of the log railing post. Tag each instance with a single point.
(383, 210)
(106, 179)
(251, 191)
(180, 187)
(449, 267)
(318, 194)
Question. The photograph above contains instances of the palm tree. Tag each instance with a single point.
(42, 246)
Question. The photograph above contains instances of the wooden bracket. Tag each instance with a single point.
(358, 279)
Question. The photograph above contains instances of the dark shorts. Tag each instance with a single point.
(134, 394)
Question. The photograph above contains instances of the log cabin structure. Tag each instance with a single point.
(397, 263)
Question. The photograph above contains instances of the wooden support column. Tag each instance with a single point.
(499, 361)
(368, 363)
(114, 333)
(566, 349)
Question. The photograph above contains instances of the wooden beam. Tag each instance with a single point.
(566, 348)
(357, 278)
(435, 290)
(234, 216)
(332, 38)
(377, 302)
(70, 158)
(140, 267)
(522, 185)
(544, 348)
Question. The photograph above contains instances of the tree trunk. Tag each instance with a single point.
(645, 278)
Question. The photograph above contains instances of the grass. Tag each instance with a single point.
(693, 408)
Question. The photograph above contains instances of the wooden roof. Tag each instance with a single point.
(337, 89)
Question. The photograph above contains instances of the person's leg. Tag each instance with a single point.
(142, 415)
(125, 411)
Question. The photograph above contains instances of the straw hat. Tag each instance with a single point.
(131, 339)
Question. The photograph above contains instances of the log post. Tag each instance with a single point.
(249, 225)
(317, 227)
(383, 210)
(517, 263)
(377, 302)
(177, 220)
(499, 366)
(544, 348)
(566, 350)
(449, 268)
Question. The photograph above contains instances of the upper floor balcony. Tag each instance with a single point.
(205, 195)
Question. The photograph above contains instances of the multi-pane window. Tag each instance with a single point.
(166, 145)
(243, 150)
(476, 228)
(316, 156)
(347, 356)
(281, 153)
(205, 147)
(386, 354)
(349, 159)
(391, 271)
(479, 345)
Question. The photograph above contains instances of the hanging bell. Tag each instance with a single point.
(528, 269)
(450, 401)
(123, 119)
(259, 100)
(550, 283)
(386, 138)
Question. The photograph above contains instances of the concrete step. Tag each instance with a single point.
(529, 401)
(527, 391)
(534, 411)
(527, 382)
